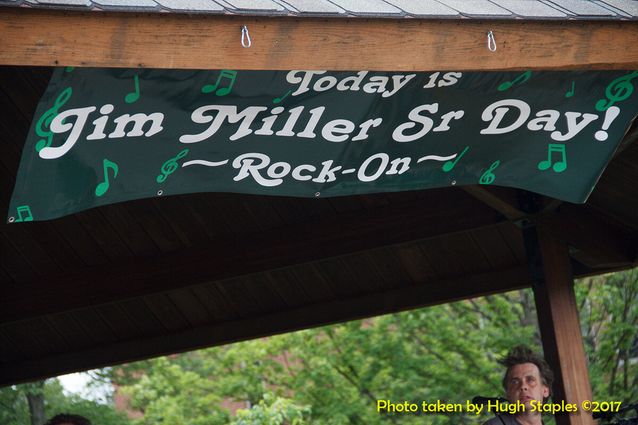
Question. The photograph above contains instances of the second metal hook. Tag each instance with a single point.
(245, 37)
(491, 42)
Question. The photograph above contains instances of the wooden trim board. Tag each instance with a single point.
(129, 40)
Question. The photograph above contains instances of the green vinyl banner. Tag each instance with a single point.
(102, 136)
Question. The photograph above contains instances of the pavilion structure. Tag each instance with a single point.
(150, 277)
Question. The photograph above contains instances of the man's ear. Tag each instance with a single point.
(545, 391)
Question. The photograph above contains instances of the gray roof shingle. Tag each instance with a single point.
(476, 7)
(628, 6)
(191, 5)
(314, 6)
(580, 7)
(63, 2)
(530, 9)
(424, 7)
(126, 4)
(397, 9)
(256, 5)
(367, 7)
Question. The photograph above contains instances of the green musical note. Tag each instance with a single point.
(24, 209)
(571, 92)
(280, 99)
(133, 96)
(559, 166)
(488, 177)
(617, 91)
(101, 188)
(43, 124)
(518, 80)
(170, 166)
(450, 164)
(221, 91)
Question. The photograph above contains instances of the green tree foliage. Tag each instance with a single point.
(14, 407)
(272, 410)
(335, 375)
(176, 392)
(609, 324)
(445, 352)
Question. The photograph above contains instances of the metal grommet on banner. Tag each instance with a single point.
(318, 194)
(160, 192)
(245, 37)
(453, 182)
(12, 219)
(491, 41)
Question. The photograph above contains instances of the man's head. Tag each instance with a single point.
(528, 376)
(66, 419)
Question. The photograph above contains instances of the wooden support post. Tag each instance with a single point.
(560, 327)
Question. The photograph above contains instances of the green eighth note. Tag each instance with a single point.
(101, 188)
(134, 95)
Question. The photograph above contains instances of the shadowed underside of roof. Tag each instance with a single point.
(149, 277)
(420, 9)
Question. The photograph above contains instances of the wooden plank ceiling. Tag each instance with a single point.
(151, 277)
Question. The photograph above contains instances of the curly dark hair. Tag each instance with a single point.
(523, 354)
(65, 418)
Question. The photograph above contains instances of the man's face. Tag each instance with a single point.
(524, 384)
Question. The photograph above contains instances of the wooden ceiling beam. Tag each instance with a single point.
(329, 312)
(438, 212)
(499, 199)
(596, 242)
(161, 40)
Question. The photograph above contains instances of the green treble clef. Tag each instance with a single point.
(43, 124)
(170, 166)
(488, 176)
(617, 91)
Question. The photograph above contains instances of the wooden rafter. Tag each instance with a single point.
(499, 199)
(596, 242)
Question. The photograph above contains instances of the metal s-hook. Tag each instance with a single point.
(491, 42)
(245, 37)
